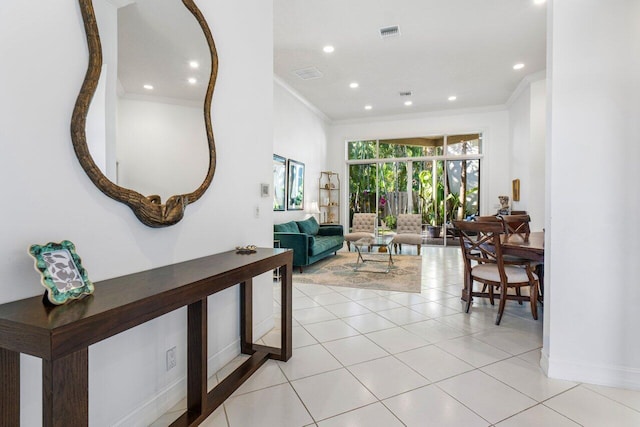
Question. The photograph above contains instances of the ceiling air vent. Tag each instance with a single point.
(406, 93)
(308, 73)
(386, 32)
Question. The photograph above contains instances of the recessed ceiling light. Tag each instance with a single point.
(539, 1)
(518, 66)
(328, 49)
(192, 80)
(368, 107)
(353, 85)
(407, 103)
(148, 87)
(452, 98)
(194, 64)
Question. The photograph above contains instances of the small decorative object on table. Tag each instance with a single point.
(62, 273)
(249, 249)
(504, 205)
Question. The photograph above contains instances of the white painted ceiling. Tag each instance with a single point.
(465, 48)
(156, 41)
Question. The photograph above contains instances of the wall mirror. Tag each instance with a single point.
(141, 127)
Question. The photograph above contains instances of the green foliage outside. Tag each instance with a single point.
(376, 187)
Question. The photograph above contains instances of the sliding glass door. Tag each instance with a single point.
(437, 177)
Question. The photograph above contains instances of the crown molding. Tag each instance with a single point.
(525, 83)
(421, 115)
(302, 99)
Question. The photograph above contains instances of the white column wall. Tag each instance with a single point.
(519, 141)
(536, 184)
(49, 197)
(527, 137)
(593, 247)
(299, 133)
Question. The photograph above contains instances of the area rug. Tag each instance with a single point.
(338, 270)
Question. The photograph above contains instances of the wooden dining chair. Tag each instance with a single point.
(487, 218)
(484, 263)
(517, 225)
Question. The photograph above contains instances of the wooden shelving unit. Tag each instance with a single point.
(329, 197)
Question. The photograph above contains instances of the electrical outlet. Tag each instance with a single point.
(171, 358)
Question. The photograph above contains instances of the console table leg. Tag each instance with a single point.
(9, 388)
(197, 356)
(246, 317)
(65, 390)
(286, 344)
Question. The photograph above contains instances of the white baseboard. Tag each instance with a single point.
(544, 362)
(605, 375)
(156, 406)
(168, 397)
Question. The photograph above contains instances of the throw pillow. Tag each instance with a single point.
(287, 227)
(309, 226)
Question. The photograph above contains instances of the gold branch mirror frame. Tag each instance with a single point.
(148, 209)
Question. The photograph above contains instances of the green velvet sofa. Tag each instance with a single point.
(309, 240)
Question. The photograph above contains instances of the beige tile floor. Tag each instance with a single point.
(379, 358)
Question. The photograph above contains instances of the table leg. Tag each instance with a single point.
(360, 258)
(286, 345)
(246, 317)
(9, 388)
(65, 390)
(197, 357)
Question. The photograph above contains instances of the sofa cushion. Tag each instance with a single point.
(325, 243)
(309, 226)
(287, 227)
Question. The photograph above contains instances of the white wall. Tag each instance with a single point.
(527, 136)
(299, 133)
(49, 197)
(593, 246)
(107, 20)
(162, 148)
(536, 155)
(493, 123)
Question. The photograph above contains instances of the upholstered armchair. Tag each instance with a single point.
(408, 231)
(363, 226)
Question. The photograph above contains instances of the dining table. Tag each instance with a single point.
(530, 247)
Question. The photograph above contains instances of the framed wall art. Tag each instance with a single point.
(62, 273)
(279, 182)
(515, 190)
(295, 199)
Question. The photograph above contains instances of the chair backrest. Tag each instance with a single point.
(480, 242)
(488, 218)
(518, 225)
(409, 224)
(364, 222)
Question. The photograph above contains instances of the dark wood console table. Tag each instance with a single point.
(60, 336)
